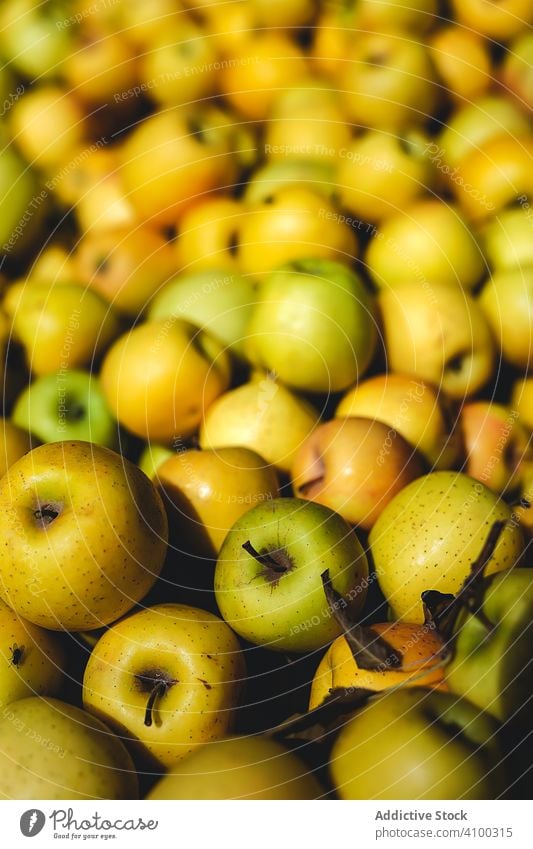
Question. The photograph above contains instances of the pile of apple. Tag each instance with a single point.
(266, 324)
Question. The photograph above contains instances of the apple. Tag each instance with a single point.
(167, 678)
(278, 13)
(239, 768)
(84, 533)
(47, 124)
(499, 21)
(66, 405)
(496, 444)
(295, 223)
(207, 491)
(354, 466)
(23, 203)
(53, 264)
(152, 457)
(413, 408)
(161, 376)
(428, 536)
(516, 73)
(268, 179)
(418, 646)
(52, 750)
(60, 325)
(387, 81)
(14, 443)
(395, 15)
(507, 240)
(263, 415)
(313, 326)
(435, 332)
(507, 303)
(268, 582)
(124, 265)
(30, 39)
(99, 65)
(208, 235)
(379, 173)
(463, 61)
(141, 24)
(473, 124)
(490, 664)
(216, 300)
(32, 660)
(429, 241)
(522, 401)
(417, 744)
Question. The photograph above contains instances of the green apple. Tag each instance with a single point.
(207, 491)
(53, 750)
(32, 38)
(354, 466)
(263, 415)
(427, 241)
(32, 660)
(152, 457)
(23, 203)
(60, 326)
(413, 408)
(239, 768)
(429, 535)
(496, 444)
(268, 179)
(268, 581)
(507, 302)
(507, 240)
(167, 678)
(66, 405)
(437, 333)
(313, 325)
(84, 534)
(215, 300)
(491, 661)
(417, 744)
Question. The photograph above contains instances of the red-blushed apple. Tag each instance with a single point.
(84, 536)
(268, 577)
(496, 444)
(354, 466)
(167, 678)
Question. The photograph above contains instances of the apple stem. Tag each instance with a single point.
(159, 689)
(265, 559)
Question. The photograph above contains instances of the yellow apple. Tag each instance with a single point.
(262, 415)
(161, 377)
(14, 443)
(208, 234)
(507, 303)
(168, 678)
(413, 408)
(32, 660)
(437, 333)
(500, 21)
(47, 124)
(522, 400)
(100, 65)
(462, 60)
(239, 768)
(209, 490)
(85, 536)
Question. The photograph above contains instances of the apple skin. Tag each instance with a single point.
(463, 62)
(522, 401)
(269, 178)
(313, 325)
(209, 490)
(437, 334)
(414, 408)
(289, 612)
(406, 745)
(99, 554)
(239, 768)
(500, 21)
(191, 648)
(68, 405)
(47, 125)
(53, 750)
(427, 241)
(18, 188)
(417, 645)
(429, 535)
(30, 39)
(354, 466)
(216, 300)
(507, 240)
(496, 444)
(40, 668)
(262, 415)
(507, 303)
(161, 376)
(516, 70)
(152, 457)
(14, 443)
(493, 670)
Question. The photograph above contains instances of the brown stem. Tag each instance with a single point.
(159, 689)
(265, 559)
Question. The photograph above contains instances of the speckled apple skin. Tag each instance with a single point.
(429, 535)
(52, 750)
(194, 648)
(99, 556)
(39, 670)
